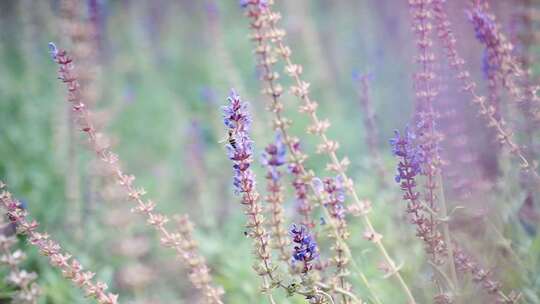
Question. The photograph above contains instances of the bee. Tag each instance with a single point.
(230, 138)
(292, 288)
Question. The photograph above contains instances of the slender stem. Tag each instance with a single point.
(269, 295)
(353, 297)
(506, 244)
(368, 285)
(329, 297)
(446, 234)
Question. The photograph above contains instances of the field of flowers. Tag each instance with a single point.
(264, 151)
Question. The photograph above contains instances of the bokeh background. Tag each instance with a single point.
(159, 72)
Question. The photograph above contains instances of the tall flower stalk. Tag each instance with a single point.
(457, 63)
(100, 146)
(82, 35)
(240, 151)
(428, 137)
(273, 158)
(504, 67)
(412, 161)
(335, 198)
(265, 32)
(466, 264)
(370, 124)
(300, 184)
(70, 267)
(500, 60)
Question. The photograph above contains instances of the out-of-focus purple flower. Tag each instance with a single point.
(359, 76)
(208, 95)
(260, 3)
(484, 26)
(240, 146)
(244, 3)
(318, 186)
(129, 94)
(335, 188)
(305, 248)
(212, 9)
(274, 156)
(235, 115)
(412, 157)
(53, 50)
(301, 186)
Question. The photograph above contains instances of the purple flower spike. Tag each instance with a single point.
(412, 156)
(335, 189)
(274, 156)
(240, 146)
(484, 26)
(305, 247)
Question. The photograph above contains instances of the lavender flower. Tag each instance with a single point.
(412, 156)
(239, 147)
(240, 150)
(207, 95)
(335, 189)
(301, 186)
(411, 159)
(274, 156)
(305, 248)
(484, 26)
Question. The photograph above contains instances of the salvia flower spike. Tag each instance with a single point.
(237, 121)
(305, 249)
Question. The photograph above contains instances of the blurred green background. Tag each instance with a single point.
(163, 69)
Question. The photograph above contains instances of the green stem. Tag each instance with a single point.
(446, 235)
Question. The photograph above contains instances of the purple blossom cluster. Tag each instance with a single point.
(237, 119)
(485, 29)
(274, 156)
(301, 187)
(305, 248)
(427, 140)
(484, 26)
(335, 189)
(412, 157)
